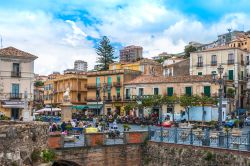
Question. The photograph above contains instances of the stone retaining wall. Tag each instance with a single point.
(113, 155)
(166, 154)
(19, 139)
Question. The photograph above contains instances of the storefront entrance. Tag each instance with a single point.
(15, 112)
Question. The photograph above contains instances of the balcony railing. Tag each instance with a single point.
(109, 98)
(117, 98)
(91, 86)
(15, 95)
(127, 98)
(213, 63)
(93, 99)
(200, 64)
(15, 74)
(117, 84)
(230, 61)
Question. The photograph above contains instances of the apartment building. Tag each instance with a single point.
(146, 85)
(16, 82)
(131, 53)
(55, 87)
(233, 60)
(105, 90)
(145, 66)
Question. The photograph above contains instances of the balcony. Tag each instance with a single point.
(117, 98)
(15, 95)
(200, 64)
(230, 61)
(15, 74)
(213, 63)
(91, 86)
(108, 99)
(93, 99)
(117, 84)
(127, 98)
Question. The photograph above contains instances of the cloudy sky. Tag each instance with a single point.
(61, 31)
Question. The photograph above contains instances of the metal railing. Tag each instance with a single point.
(15, 74)
(213, 63)
(227, 139)
(230, 61)
(200, 64)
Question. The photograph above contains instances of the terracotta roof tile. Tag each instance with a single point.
(13, 52)
(149, 79)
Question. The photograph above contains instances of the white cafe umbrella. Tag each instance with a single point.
(48, 110)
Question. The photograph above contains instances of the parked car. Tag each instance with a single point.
(247, 121)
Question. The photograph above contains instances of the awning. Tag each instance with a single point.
(80, 107)
(48, 110)
(13, 104)
(85, 107)
(94, 106)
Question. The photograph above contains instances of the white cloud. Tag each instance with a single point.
(55, 42)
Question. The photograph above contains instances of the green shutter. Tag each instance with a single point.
(189, 91)
(207, 91)
(230, 74)
(118, 78)
(199, 73)
(109, 81)
(98, 81)
(170, 91)
(117, 91)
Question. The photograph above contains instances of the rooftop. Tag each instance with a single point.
(112, 72)
(220, 48)
(149, 79)
(14, 52)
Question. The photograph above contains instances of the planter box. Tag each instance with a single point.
(55, 140)
(135, 136)
(94, 139)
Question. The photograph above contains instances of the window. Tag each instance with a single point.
(15, 70)
(230, 75)
(188, 91)
(213, 60)
(15, 91)
(247, 60)
(118, 92)
(242, 75)
(79, 97)
(170, 91)
(230, 58)
(200, 61)
(207, 91)
(199, 73)
(97, 94)
(156, 91)
(142, 68)
(109, 94)
(213, 72)
(127, 93)
(140, 92)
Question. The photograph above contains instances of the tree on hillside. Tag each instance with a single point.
(189, 49)
(105, 51)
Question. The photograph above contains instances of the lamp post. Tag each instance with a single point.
(220, 80)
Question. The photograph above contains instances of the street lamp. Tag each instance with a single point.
(220, 80)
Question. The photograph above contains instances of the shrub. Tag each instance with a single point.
(35, 155)
(48, 155)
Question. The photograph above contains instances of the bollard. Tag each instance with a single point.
(191, 137)
(221, 139)
(161, 134)
(175, 135)
(248, 140)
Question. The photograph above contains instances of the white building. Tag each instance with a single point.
(16, 81)
(81, 65)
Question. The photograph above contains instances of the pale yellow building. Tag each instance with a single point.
(106, 90)
(178, 86)
(233, 61)
(54, 89)
(146, 66)
(16, 81)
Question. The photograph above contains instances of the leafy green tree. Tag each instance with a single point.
(189, 49)
(187, 102)
(203, 101)
(39, 83)
(105, 51)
